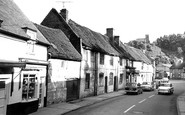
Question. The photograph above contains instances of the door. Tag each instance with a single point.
(115, 83)
(72, 89)
(41, 91)
(106, 87)
(4, 92)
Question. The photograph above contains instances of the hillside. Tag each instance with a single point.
(169, 48)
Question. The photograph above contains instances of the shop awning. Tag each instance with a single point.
(4, 63)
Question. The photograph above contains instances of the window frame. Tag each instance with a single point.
(87, 80)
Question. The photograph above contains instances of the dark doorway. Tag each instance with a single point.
(72, 89)
(106, 87)
(115, 83)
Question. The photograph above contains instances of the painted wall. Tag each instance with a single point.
(59, 72)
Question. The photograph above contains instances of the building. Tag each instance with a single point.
(23, 62)
(64, 67)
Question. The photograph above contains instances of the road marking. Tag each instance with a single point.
(142, 101)
(151, 96)
(129, 108)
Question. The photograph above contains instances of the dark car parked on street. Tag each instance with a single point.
(133, 88)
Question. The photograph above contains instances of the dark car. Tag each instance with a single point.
(133, 88)
(148, 86)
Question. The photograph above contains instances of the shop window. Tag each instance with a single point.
(101, 59)
(111, 78)
(29, 86)
(87, 81)
(101, 75)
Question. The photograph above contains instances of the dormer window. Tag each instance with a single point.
(30, 32)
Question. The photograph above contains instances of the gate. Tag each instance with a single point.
(72, 89)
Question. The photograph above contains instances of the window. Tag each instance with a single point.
(111, 61)
(111, 78)
(121, 79)
(102, 59)
(101, 79)
(87, 81)
(29, 86)
(121, 61)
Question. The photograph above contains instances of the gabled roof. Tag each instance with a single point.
(61, 47)
(14, 21)
(93, 40)
(178, 66)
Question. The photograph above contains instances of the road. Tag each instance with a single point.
(148, 103)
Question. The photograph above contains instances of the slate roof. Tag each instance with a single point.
(93, 40)
(61, 47)
(14, 21)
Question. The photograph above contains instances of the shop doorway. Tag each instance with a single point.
(106, 87)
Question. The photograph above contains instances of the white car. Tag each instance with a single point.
(166, 88)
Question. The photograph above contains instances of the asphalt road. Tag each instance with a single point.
(148, 103)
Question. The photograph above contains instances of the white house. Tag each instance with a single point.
(23, 62)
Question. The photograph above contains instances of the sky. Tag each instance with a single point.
(131, 19)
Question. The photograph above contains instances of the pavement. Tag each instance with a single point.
(64, 107)
(181, 104)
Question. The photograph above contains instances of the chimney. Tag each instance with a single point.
(64, 14)
(110, 34)
(116, 40)
(1, 21)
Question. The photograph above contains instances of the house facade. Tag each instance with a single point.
(64, 66)
(177, 71)
(23, 63)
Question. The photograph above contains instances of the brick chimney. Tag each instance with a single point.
(116, 40)
(64, 14)
(110, 34)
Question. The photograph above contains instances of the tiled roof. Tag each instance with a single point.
(93, 40)
(61, 47)
(14, 20)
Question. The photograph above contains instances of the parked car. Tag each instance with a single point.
(166, 88)
(147, 86)
(133, 88)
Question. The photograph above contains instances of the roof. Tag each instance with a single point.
(61, 47)
(90, 39)
(14, 21)
(93, 40)
(137, 54)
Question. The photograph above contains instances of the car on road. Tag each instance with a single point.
(166, 88)
(147, 86)
(133, 88)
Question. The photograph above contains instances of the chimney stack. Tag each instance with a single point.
(110, 34)
(64, 14)
(116, 40)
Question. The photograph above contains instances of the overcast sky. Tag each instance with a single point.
(131, 19)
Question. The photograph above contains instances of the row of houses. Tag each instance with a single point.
(60, 60)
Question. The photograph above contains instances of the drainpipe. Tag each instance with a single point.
(96, 75)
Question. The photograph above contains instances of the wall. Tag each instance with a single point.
(59, 72)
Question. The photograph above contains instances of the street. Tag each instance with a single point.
(148, 103)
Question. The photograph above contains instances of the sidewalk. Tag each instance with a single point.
(181, 104)
(61, 108)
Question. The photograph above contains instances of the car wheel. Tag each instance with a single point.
(159, 93)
